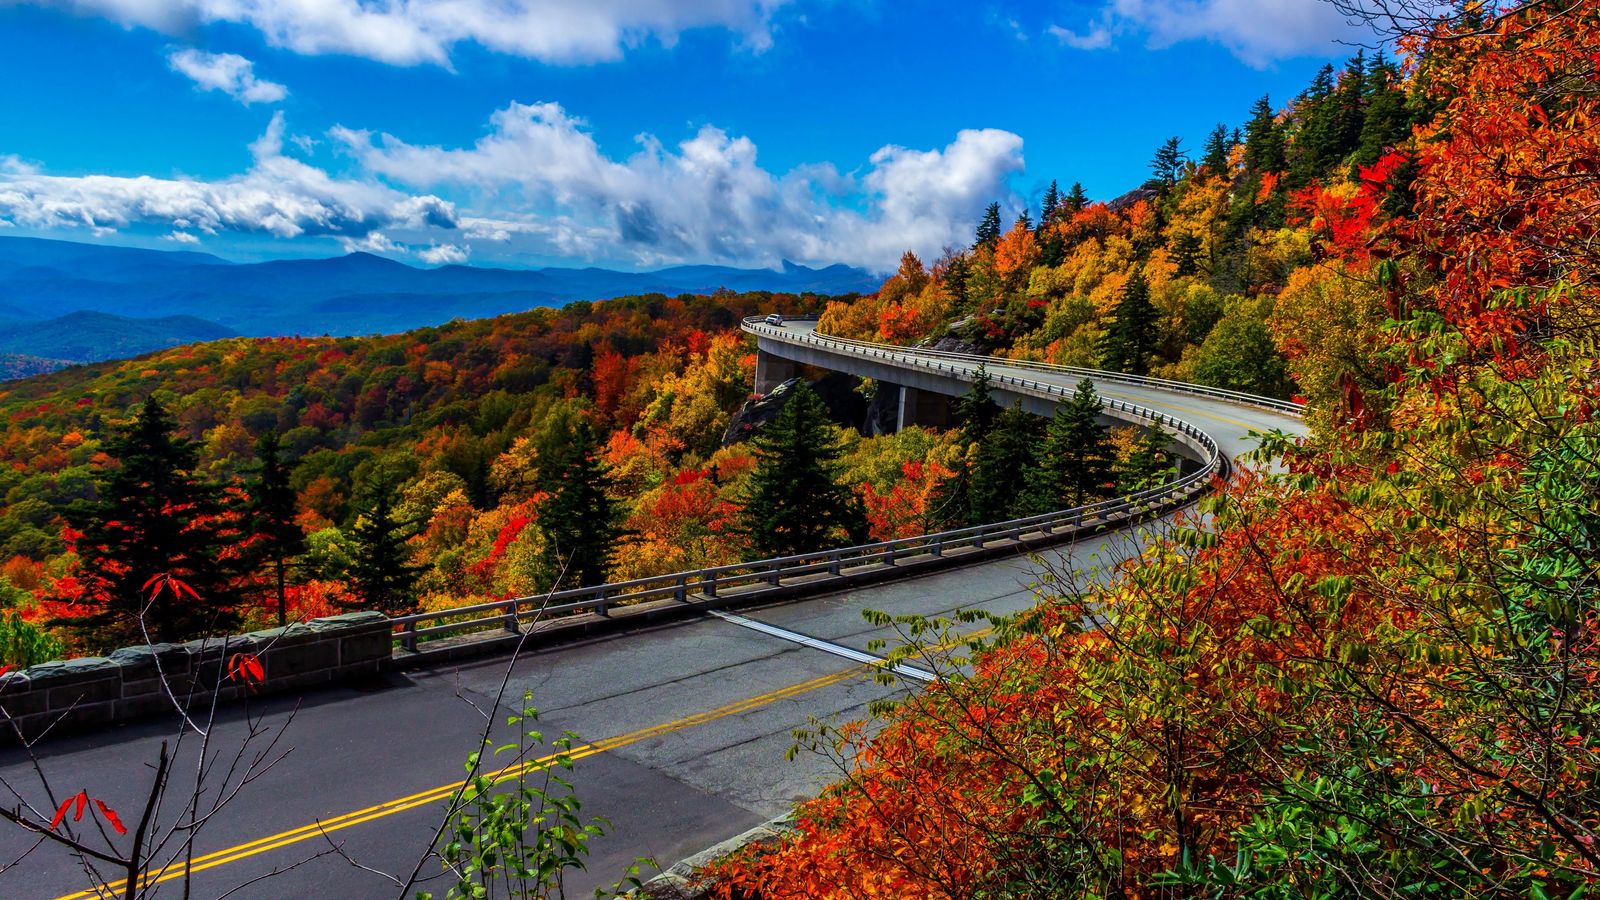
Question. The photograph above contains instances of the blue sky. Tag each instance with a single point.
(628, 133)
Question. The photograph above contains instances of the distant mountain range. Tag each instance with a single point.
(61, 300)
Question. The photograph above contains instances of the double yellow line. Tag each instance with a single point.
(445, 791)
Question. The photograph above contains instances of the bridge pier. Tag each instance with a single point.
(917, 407)
(773, 370)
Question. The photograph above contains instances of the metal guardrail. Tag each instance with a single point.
(510, 615)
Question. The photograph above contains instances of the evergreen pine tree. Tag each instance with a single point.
(1167, 163)
(1132, 336)
(151, 516)
(1388, 121)
(1047, 209)
(1186, 251)
(1074, 465)
(270, 511)
(1001, 464)
(989, 228)
(381, 574)
(1350, 107)
(794, 502)
(955, 280)
(1150, 465)
(1264, 142)
(1215, 157)
(581, 523)
(1023, 221)
(951, 503)
(1076, 198)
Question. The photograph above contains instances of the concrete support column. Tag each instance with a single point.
(925, 408)
(772, 371)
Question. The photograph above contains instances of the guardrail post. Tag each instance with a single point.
(708, 584)
(833, 563)
(408, 636)
(682, 592)
(772, 574)
(888, 556)
(511, 617)
(977, 539)
(938, 546)
(602, 605)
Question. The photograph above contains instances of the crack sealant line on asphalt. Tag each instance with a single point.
(795, 637)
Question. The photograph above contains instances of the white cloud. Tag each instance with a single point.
(229, 73)
(1256, 31)
(425, 31)
(182, 237)
(706, 198)
(277, 195)
(442, 254)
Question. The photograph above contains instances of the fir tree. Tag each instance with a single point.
(1076, 198)
(1186, 252)
(1074, 466)
(1215, 157)
(1047, 209)
(1150, 465)
(152, 519)
(1388, 122)
(1001, 464)
(381, 573)
(955, 280)
(1263, 142)
(1132, 335)
(794, 502)
(1167, 163)
(581, 523)
(1350, 107)
(989, 228)
(276, 538)
(1023, 221)
(951, 503)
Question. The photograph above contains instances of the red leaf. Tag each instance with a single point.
(61, 813)
(111, 817)
(80, 801)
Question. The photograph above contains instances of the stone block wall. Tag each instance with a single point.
(136, 682)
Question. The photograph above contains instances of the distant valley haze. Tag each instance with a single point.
(68, 302)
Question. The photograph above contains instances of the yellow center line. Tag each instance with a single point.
(1146, 401)
(442, 792)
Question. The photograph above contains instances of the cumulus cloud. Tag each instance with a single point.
(229, 73)
(442, 254)
(707, 198)
(278, 195)
(425, 31)
(1256, 31)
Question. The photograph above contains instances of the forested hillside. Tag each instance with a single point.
(1374, 675)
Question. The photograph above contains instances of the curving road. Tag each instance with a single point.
(682, 728)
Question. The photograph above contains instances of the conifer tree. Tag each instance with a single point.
(1215, 157)
(1350, 107)
(1076, 199)
(1263, 142)
(1150, 465)
(989, 228)
(1001, 464)
(1387, 122)
(1132, 336)
(1047, 209)
(794, 502)
(955, 280)
(1024, 221)
(581, 522)
(951, 503)
(1074, 465)
(275, 537)
(152, 519)
(382, 576)
(1167, 163)
(1186, 252)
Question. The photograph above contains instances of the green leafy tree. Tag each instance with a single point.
(1000, 466)
(581, 521)
(989, 227)
(1074, 465)
(1239, 355)
(794, 502)
(1132, 337)
(150, 544)
(381, 573)
(274, 537)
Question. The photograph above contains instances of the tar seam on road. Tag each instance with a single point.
(803, 640)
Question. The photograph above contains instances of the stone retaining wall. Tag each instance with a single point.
(93, 691)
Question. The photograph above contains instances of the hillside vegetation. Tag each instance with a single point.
(1374, 675)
